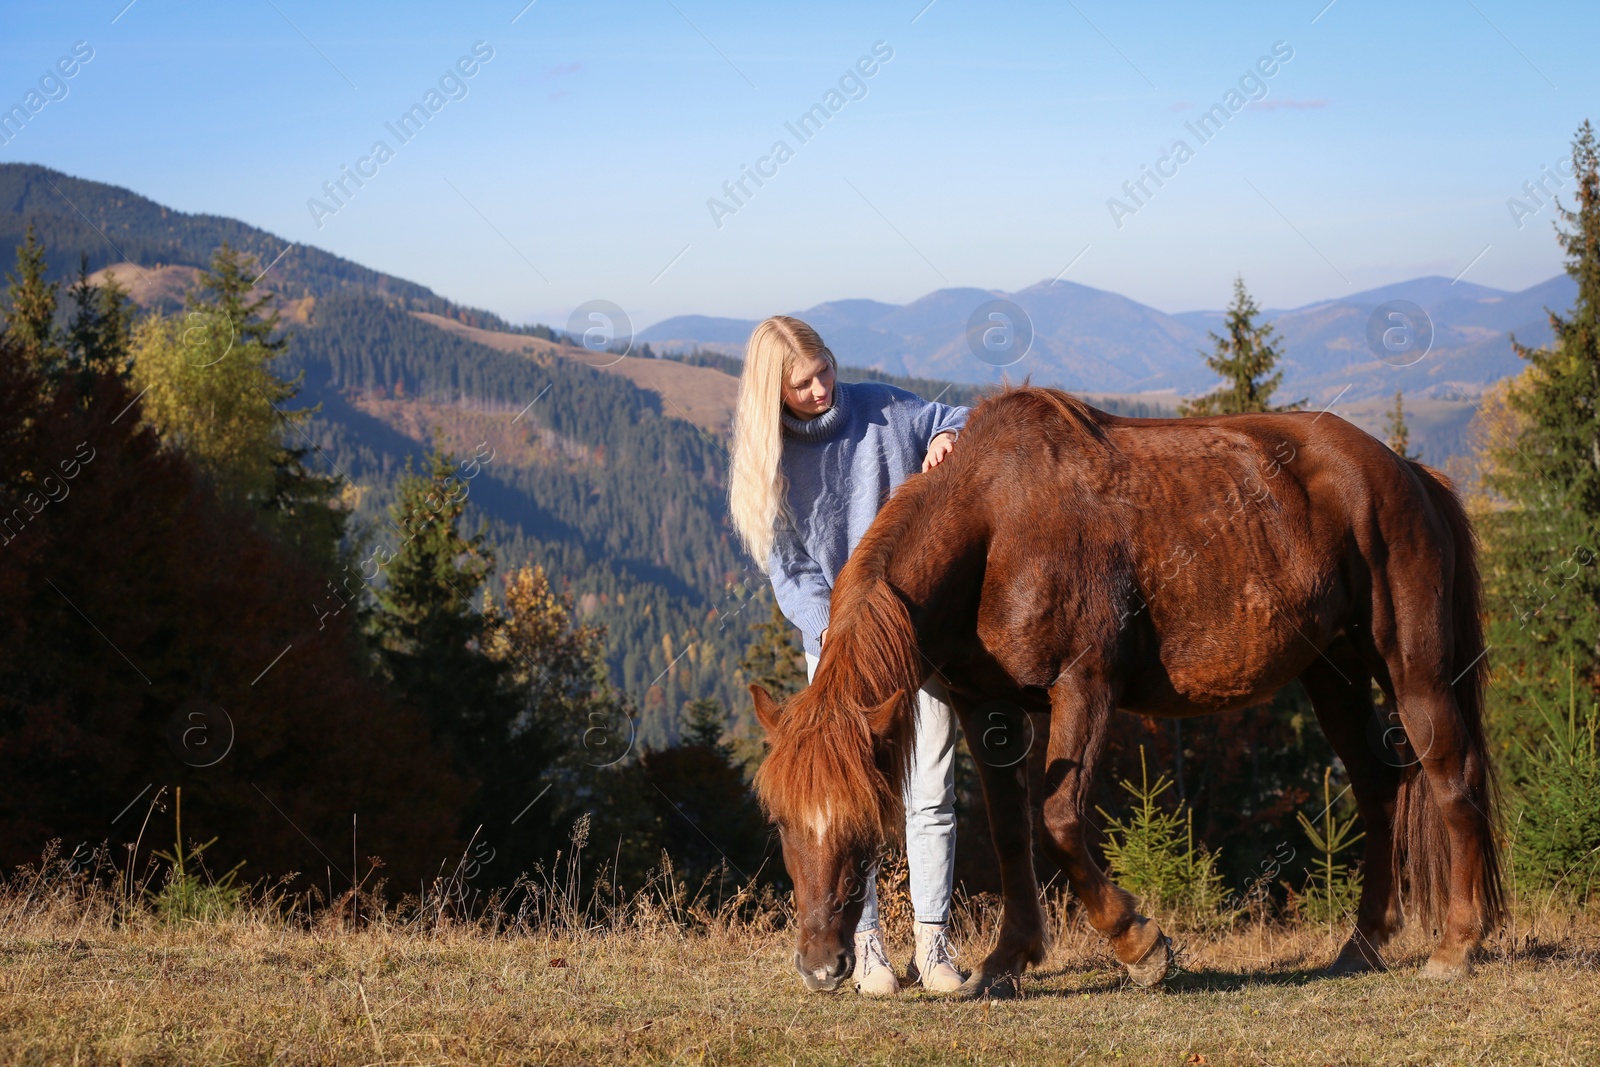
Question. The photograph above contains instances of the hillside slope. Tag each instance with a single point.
(699, 395)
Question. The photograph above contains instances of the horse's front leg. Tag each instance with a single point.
(1081, 708)
(1022, 939)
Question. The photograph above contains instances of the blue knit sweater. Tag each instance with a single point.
(841, 468)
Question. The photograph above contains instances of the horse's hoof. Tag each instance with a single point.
(992, 987)
(1357, 957)
(1446, 970)
(1154, 965)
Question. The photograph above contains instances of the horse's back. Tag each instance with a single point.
(1215, 556)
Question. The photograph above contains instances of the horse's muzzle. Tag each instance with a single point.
(827, 978)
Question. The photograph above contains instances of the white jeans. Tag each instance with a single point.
(930, 797)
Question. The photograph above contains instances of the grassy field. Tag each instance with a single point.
(78, 987)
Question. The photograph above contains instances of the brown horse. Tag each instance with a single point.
(1071, 562)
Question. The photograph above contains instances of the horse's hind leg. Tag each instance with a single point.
(1081, 713)
(1340, 687)
(1022, 937)
(1445, 818)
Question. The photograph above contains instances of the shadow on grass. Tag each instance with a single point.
(1101, 977)
(1230, 981)
(1208, 981)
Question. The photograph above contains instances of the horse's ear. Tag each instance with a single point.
(766, 709)
(880, 720)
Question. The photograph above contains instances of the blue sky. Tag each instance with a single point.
(580, 161)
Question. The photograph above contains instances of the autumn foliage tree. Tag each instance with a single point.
(569, 724)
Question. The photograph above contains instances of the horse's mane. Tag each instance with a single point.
(823, 769)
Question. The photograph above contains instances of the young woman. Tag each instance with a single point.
(813, 461)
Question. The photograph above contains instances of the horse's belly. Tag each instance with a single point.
(1240, 653)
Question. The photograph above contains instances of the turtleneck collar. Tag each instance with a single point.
(823, 426)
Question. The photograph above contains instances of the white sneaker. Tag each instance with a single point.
(874, 976)
(931, 960)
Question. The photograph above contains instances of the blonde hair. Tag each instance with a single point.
(757, 489)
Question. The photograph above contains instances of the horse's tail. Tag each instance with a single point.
(1421, 842)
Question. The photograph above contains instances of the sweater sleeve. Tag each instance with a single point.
(802, 590)
(931, 418)
(946, 418)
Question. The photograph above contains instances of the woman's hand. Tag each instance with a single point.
(938, 449)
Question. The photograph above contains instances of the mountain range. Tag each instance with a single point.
(1090, 340)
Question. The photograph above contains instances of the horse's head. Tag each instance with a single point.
(826, 783)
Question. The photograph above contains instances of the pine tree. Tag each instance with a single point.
(1544, 585)
(100, 335)
(434, 645)
(31, 308)
(301, 503)
(425, 604)
(228, 287)
(1399, 435)
(704, 722)
(1246, 360)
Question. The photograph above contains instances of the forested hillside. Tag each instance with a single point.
(621, 503)
(112, 225)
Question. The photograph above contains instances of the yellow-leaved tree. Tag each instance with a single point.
(209, 388)
(211, 394)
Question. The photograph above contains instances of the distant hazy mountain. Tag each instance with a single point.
(1327, 349)
(1092, 340)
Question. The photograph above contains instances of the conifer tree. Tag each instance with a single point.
(1246, 359)
(100, 335)
(301, 501)
(435, 646)
(431, 631)
(1399, 434)
(704, 721)
(228, 287)
(31, 308)
(1544, 584)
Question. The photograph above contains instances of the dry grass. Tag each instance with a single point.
(660, 983)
